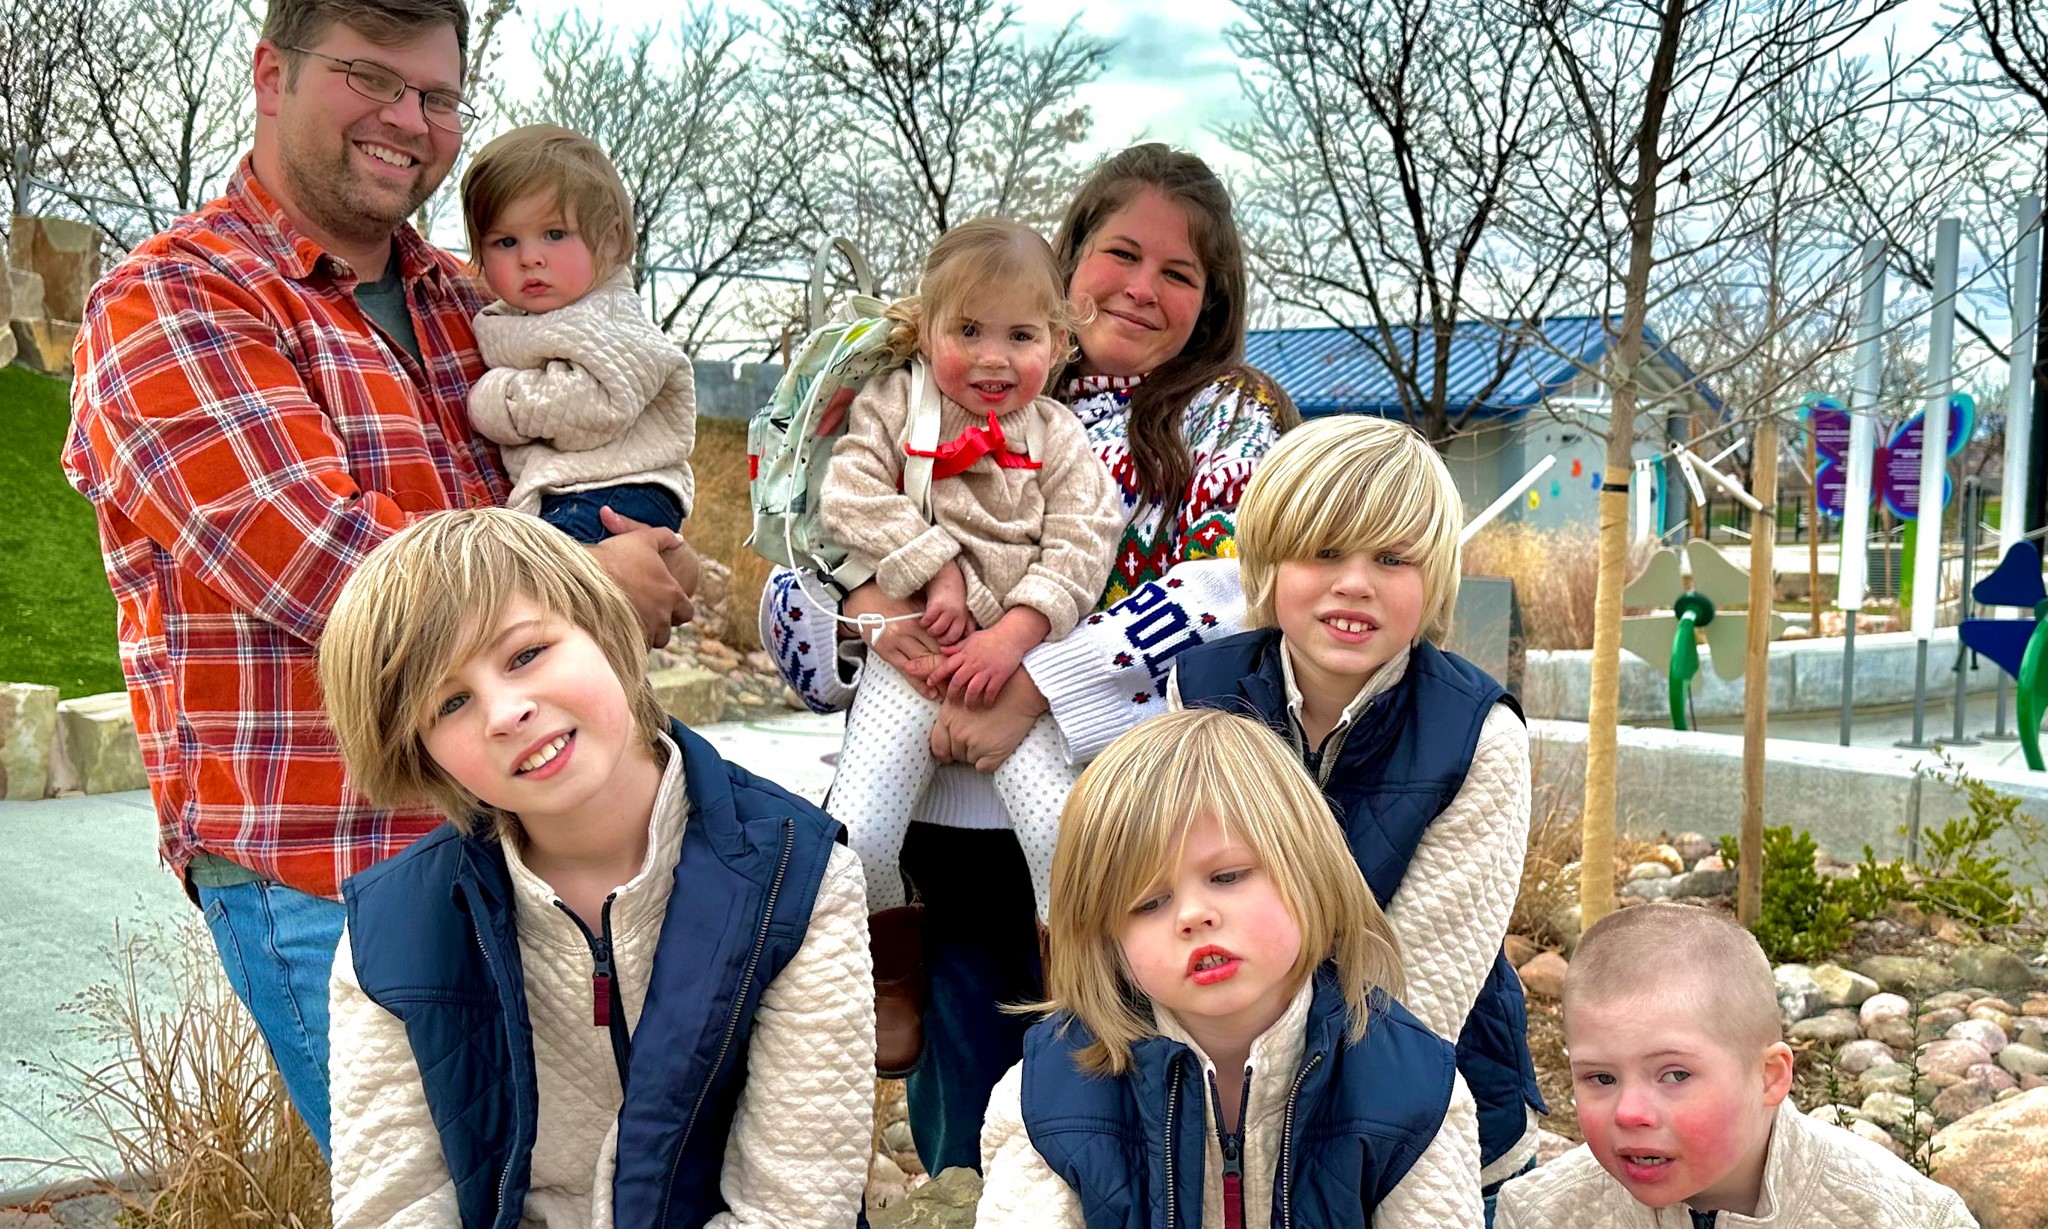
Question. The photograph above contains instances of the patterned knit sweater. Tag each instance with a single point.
(1110, 672)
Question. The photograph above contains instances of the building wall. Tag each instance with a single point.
(1476, 464)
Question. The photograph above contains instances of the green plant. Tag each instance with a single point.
(1800, 919)
(1959, 874)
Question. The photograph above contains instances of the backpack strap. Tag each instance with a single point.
(924, 437)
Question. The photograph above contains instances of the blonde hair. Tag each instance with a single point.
(568, 166)
(1352, 482)
(1124, 826)
(427, 600)
(975, 255)
(1681, 961)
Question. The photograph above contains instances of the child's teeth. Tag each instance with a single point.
(545, 754)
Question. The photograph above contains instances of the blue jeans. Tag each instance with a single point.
(277, 945)
(576, 513)
(981, 950)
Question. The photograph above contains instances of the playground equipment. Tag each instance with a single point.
(1712, 608)
(2017, 645)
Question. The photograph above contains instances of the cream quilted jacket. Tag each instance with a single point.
(1816, 1176)
(797, 1154)
(1452, 907)
(584, 396)
(1441, 1192)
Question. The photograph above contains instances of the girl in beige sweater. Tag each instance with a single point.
(1014, 548)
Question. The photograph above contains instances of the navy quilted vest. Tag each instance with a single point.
(432, 935)
(1402, 762)
(1132, 1146)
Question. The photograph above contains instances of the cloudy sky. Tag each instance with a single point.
(1169, 78)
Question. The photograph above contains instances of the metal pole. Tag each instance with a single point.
(1973, 497)
(1941, 344)
(1848, 670)
(1855, 549)
(2019, 414)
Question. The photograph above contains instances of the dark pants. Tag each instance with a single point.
(576, 513)
(981, 947)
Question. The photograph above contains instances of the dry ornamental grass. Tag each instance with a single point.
(723, 520)
(191, 1096)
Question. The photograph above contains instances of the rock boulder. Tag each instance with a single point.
(1992, 967)
(28, 729)
(64, 253)
(44, 345)
(1906, 975)
(1543, 977)
(946, 1202)
(692, 696)
(97, 737)
(1997, 1159)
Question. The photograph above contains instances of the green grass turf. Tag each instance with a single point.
(56, 614)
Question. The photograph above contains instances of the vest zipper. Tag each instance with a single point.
(732, 1023)
(1286, 1167)
(1231, 1144)
(1172, 1115)
(505, 1177)
(607, 1001)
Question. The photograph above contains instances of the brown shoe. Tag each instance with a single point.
(896, 942)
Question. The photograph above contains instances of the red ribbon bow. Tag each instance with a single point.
(955, 455)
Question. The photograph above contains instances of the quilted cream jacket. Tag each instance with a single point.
(1816, 1176)
(1020, 1191)
(797, 1154)
(587, 395)
(1453, 904)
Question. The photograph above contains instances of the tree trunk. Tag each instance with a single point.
(1597, 823)
(1756, 675)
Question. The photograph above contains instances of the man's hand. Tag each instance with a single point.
(657, 570)
(945, 605)
(901, 642)
(985, 737)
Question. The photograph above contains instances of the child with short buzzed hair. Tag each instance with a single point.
(628, 982)
(1348, 547)
(1681, 1079)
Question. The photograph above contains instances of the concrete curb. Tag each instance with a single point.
(1846, 797)
(1805, 677)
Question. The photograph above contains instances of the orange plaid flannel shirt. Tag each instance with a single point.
(246, 435)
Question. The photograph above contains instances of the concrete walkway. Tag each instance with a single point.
(72, 869)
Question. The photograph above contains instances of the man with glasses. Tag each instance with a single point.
(265, 392)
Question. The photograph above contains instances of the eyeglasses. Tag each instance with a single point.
(444, 109)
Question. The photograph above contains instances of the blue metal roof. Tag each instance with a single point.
(1331, 371)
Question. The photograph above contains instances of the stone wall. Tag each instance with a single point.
(52, 264)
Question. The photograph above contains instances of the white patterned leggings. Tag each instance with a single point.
(886, 763)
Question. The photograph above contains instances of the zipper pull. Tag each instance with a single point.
(601, 984)
(1233, 1201)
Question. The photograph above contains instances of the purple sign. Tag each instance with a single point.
(1898, 462)
(1831, 487)
(1829, 423)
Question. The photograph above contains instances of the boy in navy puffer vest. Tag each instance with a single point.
(1348, 548)
(1224, 1045)
(628, 983)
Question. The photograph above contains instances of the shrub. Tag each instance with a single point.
(1959, 874)
(723, 520)
(1800, 918)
